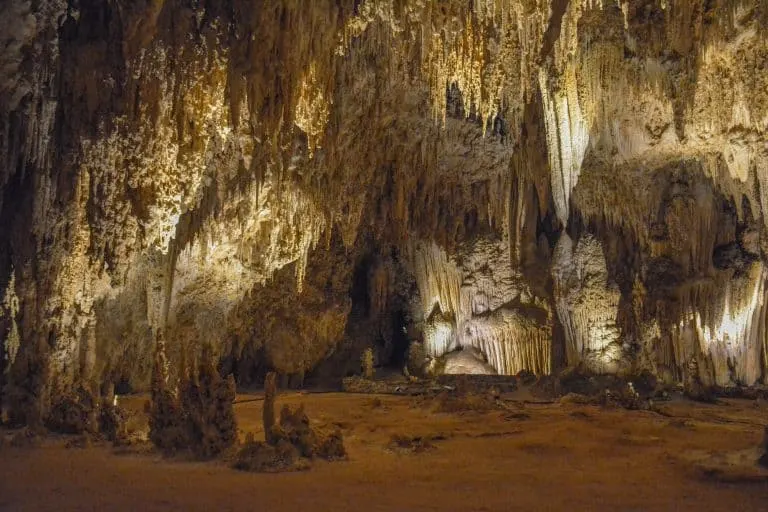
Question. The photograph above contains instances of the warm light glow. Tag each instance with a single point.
(472, 299)
(733, 341)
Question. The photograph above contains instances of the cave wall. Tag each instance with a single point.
(552, 183)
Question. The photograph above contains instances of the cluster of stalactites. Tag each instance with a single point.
(261, 231)
(645, 108)
(572, 87)
(487, 48)
(467, 305)
(727, 339)
(511, 342)
(29, 51)
(469, 46)
(200, 194)
(438, 279)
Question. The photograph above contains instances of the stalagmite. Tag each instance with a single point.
(587, 305)
(10, 309)
(268, 413)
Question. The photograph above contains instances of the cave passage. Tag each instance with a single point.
(468, 208)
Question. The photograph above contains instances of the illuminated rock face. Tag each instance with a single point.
(468, 361)
(480, 303)
(587, 305)
(551, 183)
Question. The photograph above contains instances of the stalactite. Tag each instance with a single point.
(511, 341)
(466, 305)
(201, 151)
(567, 139)
(439, 282)
(488, 49)
(28, 62)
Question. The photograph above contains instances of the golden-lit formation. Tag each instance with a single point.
(10, 310)
(737, 338)
(553, 184)
(587, 305)
(468, 305)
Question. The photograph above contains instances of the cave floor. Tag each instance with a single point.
(543, 457)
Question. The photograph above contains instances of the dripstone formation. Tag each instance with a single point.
(568, 183)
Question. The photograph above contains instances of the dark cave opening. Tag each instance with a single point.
(358, 293)
(383, 325)
(400, 340)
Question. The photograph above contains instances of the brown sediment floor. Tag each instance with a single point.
(539, 457)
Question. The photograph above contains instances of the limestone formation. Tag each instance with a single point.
(194, 413)
(268, 411)
(167, 421)
(587, 305)
(207, 401)
(468, 361)
(289, 444)
(366, 362)
(551, 183)
(417, 360)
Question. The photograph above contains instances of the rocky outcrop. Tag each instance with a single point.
(551, 183)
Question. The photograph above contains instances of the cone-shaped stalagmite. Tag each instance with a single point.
(268, 413)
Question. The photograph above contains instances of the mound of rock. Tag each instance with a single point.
(291, 443)
(467, 361)
(261, 457)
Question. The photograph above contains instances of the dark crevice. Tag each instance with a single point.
(553, 29)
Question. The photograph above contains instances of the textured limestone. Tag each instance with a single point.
(221, 172)
(587, 305)
(482, 302)
(468, 361)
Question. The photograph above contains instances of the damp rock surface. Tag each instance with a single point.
(288, 187)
